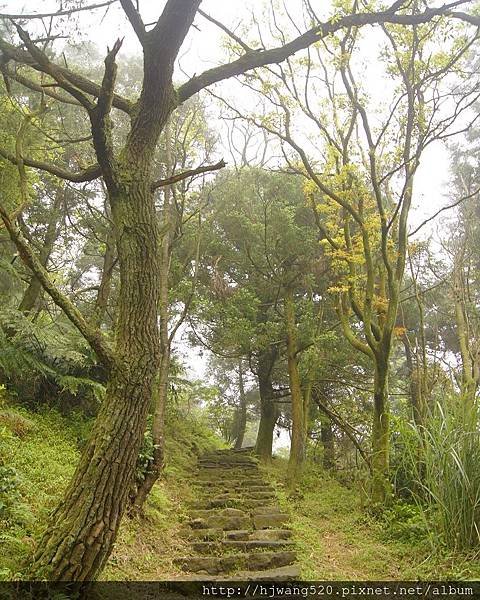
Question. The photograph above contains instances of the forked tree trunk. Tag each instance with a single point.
(83, 528)
(268, 408)
(380, 434)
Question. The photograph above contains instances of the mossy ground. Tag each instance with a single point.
(338, 540)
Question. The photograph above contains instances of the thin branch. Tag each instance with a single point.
(88, 174)
(229, 32)
(448, 207)
(185, 174)
(58, 13)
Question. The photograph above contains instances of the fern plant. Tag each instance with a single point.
(39, 357)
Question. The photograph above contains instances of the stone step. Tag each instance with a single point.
(251, 561)
(228, 458)
(226, 466)
(205, 513)
(208, 534)
(222, 546)
(232, 501)
(231, 483)
(224, 487)
(220, 522)
(216, 473)
(247, 494)
(243, 480)
(212, 534)
(259, 534)
(269, 520)
(229, 452)
(288, 573)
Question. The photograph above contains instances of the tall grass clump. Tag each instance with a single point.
(446, 469)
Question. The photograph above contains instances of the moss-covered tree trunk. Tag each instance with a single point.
(84, 526)
(380, 433)
(268, 408)
(241, 417)
(297, 446)
(327, 439)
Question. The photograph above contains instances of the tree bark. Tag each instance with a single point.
(161, 391)
(83, 528)
(327, 439)
(241, 419)
(380, 434)
(34, 288)
(297, 447)
(268, 408)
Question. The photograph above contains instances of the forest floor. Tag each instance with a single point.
(335, 536)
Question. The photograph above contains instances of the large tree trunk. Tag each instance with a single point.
(297, 446)
(380, 434)
(268, 408)
(161, 391)
(241, 419)
(82, 529)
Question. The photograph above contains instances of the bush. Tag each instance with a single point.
(448, 475)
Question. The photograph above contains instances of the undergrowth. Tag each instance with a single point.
(38, 454)
(338, 539)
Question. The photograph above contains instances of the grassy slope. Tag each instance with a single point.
(43, 449)
(337, 539)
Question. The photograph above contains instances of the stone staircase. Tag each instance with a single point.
(237, 530)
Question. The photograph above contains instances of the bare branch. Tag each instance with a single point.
(51, 69)
(87, 86)
(190, 173)
(135, 19)
(228, 31)
(58, 13)
(99, 117)
(254, 59)
(88, 174)
(36, 87)
(448, 207)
